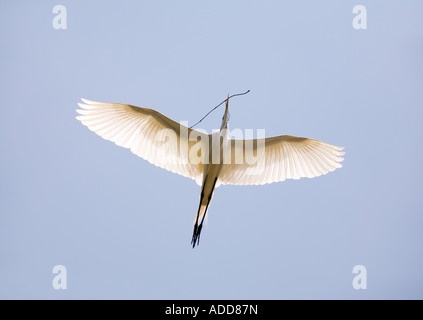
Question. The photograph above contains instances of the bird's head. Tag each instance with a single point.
(225, 119)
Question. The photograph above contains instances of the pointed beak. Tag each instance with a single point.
(227, 104)
(225, 118)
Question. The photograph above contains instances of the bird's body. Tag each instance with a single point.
(212, 159)
(218, 141)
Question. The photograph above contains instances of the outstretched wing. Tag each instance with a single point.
(261, 161)
(149, 134)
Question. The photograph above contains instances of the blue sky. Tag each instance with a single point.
(122, 227)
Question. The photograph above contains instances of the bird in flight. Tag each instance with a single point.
(209, 159)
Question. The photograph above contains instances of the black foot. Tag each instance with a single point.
(196, 235)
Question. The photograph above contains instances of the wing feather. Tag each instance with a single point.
(146, 132)
(283, 157)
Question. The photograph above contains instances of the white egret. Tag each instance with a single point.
(193, 154)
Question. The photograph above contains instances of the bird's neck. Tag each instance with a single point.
(224, 127)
